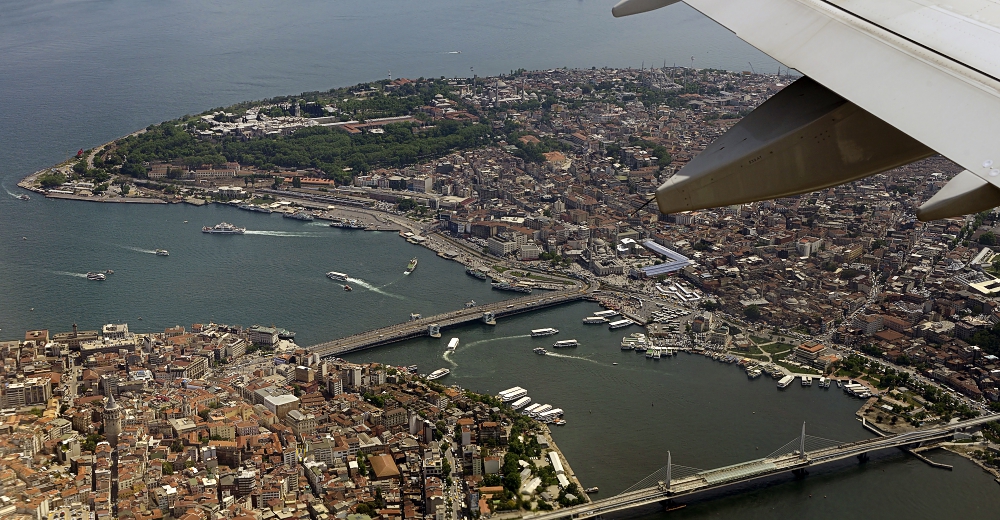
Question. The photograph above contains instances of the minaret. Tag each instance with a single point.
(112, 420)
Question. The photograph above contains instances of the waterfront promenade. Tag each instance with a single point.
(420, 327)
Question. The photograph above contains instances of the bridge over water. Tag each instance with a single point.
(675, 481)
(426, 326)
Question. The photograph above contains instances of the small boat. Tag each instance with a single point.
(412, 265)
(615, 364)
(470, 304)
(23, 197)
(540, 351)
(412, 369)
(348, 288)
(109, 271)
(590, 490)
(96, 276)
(162, 252)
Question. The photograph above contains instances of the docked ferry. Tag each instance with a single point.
(334, 275)
(224, 228)
(411, 266)
(620, 323)
(300, 215)
(548, 331)
(504, 286)
(438, 374)
(785, 381)
(566, 343)
(594, 320)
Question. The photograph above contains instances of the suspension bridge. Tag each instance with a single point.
(805, 451)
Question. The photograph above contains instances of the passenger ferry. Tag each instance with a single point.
(452, 344)
(224, 228)
(411, 266)
(620, 323)
(504, 394)
(785, 381)
(162, 252)
(503, 286)
(566, 343)
(334, 275)
(97, 277)
(594, 320)
(438, 374)
(521, 403)
(299, 215)
(540, 351)
(544, 332)
(514, 396)
(606, 314)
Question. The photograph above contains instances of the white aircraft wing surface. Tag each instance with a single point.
(887, 82)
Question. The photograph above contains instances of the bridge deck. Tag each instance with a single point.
(417, 328)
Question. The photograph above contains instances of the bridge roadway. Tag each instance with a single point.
(755, 469)
(417, 328)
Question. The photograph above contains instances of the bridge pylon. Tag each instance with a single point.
(802, 442)
(669, 464)
(489, 318)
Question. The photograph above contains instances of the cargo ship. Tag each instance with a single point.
(475, 273)
(411, 266)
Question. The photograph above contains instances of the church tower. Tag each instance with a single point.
(112, 420)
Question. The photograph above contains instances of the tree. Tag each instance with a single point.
(168, 468)
(51, 180)
(752, 313)
(296, 182)
(988, 239)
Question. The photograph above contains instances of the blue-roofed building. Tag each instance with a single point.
(673, 261)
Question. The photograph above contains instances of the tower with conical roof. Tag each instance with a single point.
(112, 420)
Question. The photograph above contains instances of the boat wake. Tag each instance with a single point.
(558, 355)
(361, 283)
(447, 357)
(139, 249)
(490, 340)
(309, 234)
(67, 273)
(14, 195)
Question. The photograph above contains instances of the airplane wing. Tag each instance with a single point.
(886, 83)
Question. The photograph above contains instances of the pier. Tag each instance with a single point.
(488, 314)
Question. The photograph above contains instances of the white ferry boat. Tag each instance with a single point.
(540, 410)
(334, 275)
(520, 403)
(606, 314)
(531, 408)
(544, 332)
(99, 277)
(785, 381)
(566, 343)
(452, 344)
(224, 228)
(162, 252)
(514, 396)
(594, 320)
(502, 395)
(620, 323)
(438, 374)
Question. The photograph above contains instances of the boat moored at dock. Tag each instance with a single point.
(807, 380)
(606, 314)
(785, 381)
(594, 320)
(514, 396)
(548, 331)
(438, 374)
(476, 273)
(504, 286)
(300, 215)
(620, 324)
(520, 403)
(503, 394)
